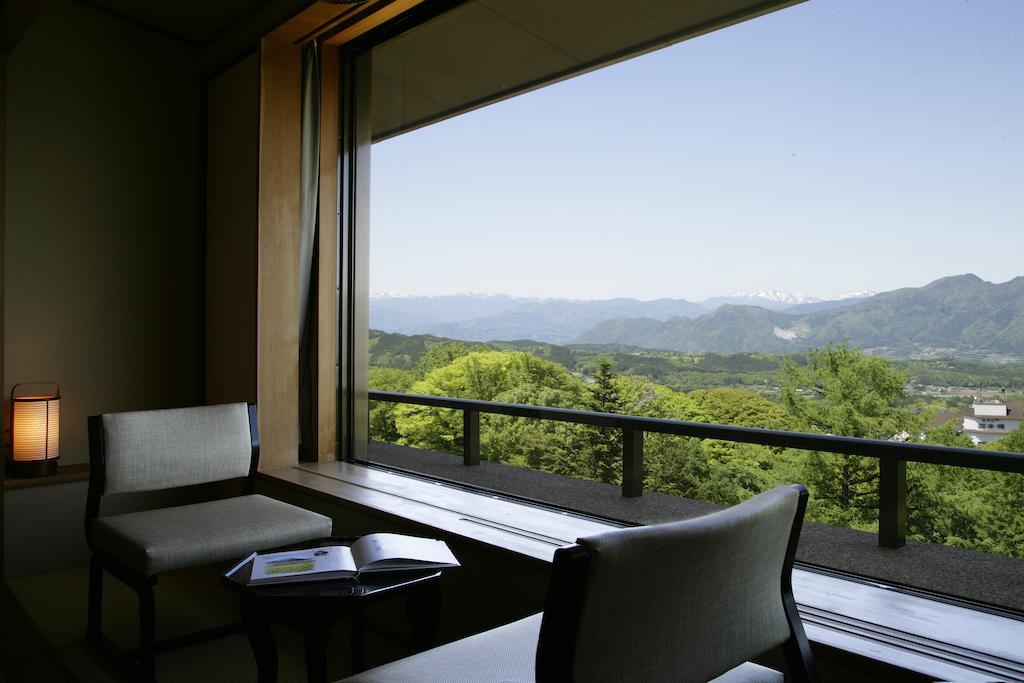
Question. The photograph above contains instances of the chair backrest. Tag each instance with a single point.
(161, 449)
(683, 601)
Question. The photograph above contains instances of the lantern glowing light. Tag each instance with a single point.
(35, 432)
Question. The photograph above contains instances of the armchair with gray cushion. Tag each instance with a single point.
(163, 449)
(684, 601)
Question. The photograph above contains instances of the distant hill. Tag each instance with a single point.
(556, 321)
(412, 314)
(962, 313)
(507, 318)
(686, 372)
(828, 304)
(729, 329)
(961, 316)
(389, 349)
(499, 316)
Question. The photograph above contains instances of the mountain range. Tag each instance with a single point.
(556, 321)
(957, 316)
(961, 316)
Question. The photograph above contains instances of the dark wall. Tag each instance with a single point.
(103, 219)
(44, 529)
(232, 184)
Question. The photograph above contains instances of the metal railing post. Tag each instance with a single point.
(632, 462)
(892, 503)
(470, 437)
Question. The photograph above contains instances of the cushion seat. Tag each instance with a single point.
(504, 655)
(155, 541)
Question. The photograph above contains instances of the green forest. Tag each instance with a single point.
(835, 389)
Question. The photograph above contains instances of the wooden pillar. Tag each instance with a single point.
(327, 264)
(277, 327)
(342, 258)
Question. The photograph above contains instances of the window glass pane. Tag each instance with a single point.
(771, 225)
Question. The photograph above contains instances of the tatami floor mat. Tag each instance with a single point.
(186, 602)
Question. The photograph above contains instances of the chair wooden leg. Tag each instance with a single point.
(357, 642)
(423, 609)
(797, 649)
(801, 667)
(260, 630)
(147, 633)
(94, 624)
(317, 633)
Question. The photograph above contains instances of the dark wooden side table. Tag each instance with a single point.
(315, 607)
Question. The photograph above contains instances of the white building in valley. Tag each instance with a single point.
(987, 421)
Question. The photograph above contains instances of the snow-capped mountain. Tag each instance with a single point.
(859, 294)
(779, 297)
(770, 298)
(774, 299)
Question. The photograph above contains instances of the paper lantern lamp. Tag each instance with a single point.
(35, 431)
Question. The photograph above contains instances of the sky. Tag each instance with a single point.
(830, 147)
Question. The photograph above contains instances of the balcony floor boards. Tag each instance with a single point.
(967, 574)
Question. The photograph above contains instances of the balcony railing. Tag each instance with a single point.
(892, 456)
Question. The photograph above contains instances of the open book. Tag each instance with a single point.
(371, 553)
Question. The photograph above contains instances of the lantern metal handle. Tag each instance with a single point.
(56, 394)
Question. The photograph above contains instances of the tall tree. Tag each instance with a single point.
(845, 392)
(382, 414)
(604, 445)
(510, 377)
(1005, 524)
(440, 354)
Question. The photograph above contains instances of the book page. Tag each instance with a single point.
(302, 562)
(398, 550)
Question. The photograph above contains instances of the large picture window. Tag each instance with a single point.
(763, 220)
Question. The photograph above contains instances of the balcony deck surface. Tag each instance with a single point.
(966, 574)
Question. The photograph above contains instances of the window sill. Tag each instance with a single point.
(65, 474)
(927, 637)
